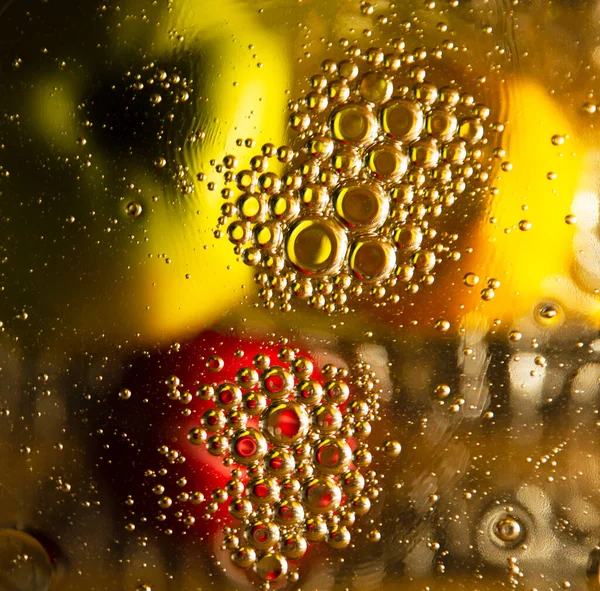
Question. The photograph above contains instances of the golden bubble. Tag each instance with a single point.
(332, 456)
(346, 162)
(509, 530)
(375, 88)
(449, 96)
(125, 394)
(558, 140)
(424, 260)
(339, 538)
(374, 535)
(348, 69)
(515, 336)
(321, 495)
(426, 93)
(240, 508)
(271, 567)
(549, 314)
(217, 445)
(424, 153)
(402, 120)
(263, 491)
(302, 367)
(392, 448)
(570, 219)
(442, 125)
(442, 325)
(289, 513)
(248, 446)
(487, 294)
(387, 161)
(314, 197)
(213, 419)
(228, 395)
(337, 391)
(315, 528)
(407, 238)
(471, 130)
(320, 147)
(197, 436)
(327, 418)
(372, 258)
(262, 535)
(293, 546)
(284, 423)
(362, 206)
(284, 206)
(471, 279)
(243, 557)
(239, 232)
(353, 123)
(309, 392)
(316, 246)
(251, 207)
(134, 209)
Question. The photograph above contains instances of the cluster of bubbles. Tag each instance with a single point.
(380, 154)
(295, 441)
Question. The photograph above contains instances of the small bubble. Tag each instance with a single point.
(134, 209)
(515, 336)
(215, 363)
(442, 325)
(471, 279)
(558, 140)
(374, 535)
(392, 448)
(125, 394)
(525, 225)
(570, 219)
(508, 530)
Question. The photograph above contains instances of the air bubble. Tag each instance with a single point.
(403, 120)
(372, 259)
(362, 206)
(316, 246)
(353, 123)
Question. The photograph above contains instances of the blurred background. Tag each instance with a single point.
(117, 259)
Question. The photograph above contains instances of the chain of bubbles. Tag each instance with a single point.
(296, 446)
(380, 153)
